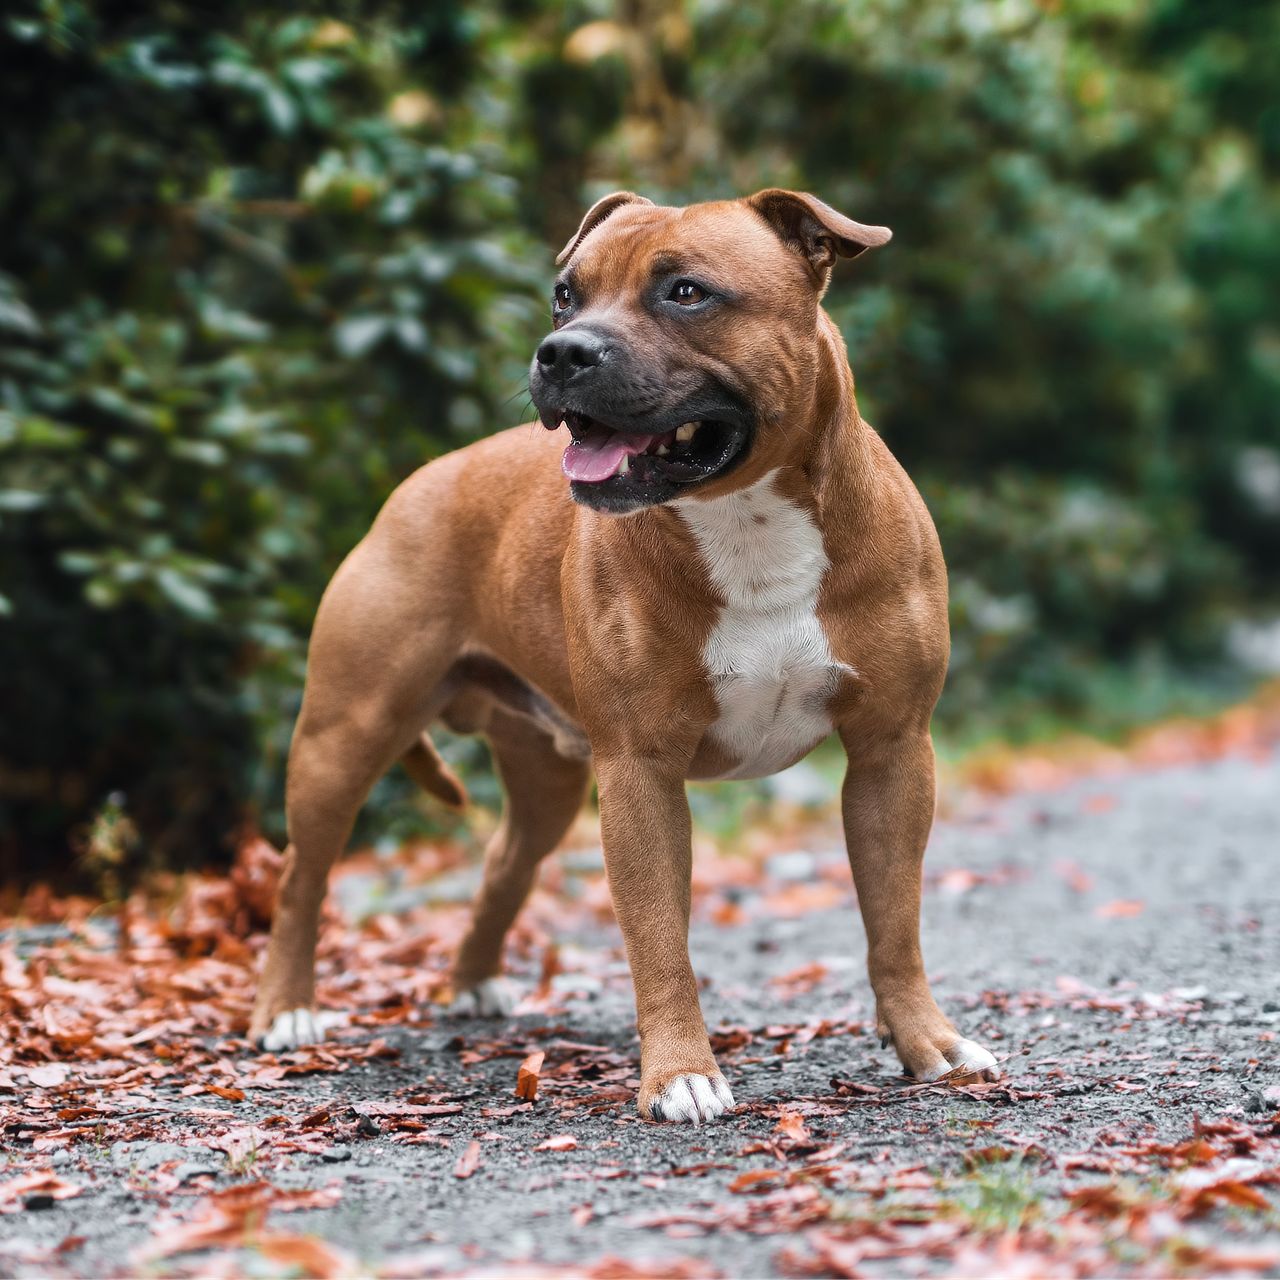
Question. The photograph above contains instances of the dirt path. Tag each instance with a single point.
(1119, 941)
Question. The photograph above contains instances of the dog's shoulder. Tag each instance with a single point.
(470, 498)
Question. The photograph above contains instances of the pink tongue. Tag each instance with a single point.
(598, 455)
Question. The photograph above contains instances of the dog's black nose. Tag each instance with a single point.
(566, 354)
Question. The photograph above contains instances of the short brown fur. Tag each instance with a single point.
(605, 618)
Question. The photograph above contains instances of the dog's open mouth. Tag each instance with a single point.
(685, 454)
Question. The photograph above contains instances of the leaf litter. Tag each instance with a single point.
(125, 1030)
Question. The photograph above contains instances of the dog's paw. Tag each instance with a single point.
(295, 1027)
(692, 1099)
(964, 1058)
(492, 998)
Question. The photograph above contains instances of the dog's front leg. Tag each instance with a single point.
(888, 811)
(644, 818)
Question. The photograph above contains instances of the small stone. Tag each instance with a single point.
(581, 984)
(802, 785)
(336, 1155)
(793, 867)
(39, 1200)
(582, 861)
(367, 1127)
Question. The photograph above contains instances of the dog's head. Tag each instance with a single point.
(684, 338)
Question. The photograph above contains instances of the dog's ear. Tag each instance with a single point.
(596, 215)
(815, 229)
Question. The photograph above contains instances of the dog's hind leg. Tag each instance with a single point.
(543, 792)
(374, 670)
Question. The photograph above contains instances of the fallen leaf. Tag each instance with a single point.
(241, 1143)
(468, 1161)
(801, 980)
(791, 1125)
(528, 1076)
(38, 1182)
(754, 1179)
(1076, 877)
(983, 1156)
(306, 1255)
(1120, 909)
(48, 1077)
(561, 1142)
(1239, 1194)
(958, 880)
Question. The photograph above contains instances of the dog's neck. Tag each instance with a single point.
(837, 463)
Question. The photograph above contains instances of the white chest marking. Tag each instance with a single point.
(768, 657)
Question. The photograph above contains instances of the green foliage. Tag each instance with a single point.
(234, 316)
(257, 265)
(1051, 580)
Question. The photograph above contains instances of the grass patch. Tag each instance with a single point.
(997, 1197)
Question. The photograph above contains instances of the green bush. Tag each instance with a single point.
(1051, 581)
(248, 270)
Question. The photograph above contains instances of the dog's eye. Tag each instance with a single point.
(686, 293)
(562, 298)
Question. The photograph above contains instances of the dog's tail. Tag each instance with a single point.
(423, 764)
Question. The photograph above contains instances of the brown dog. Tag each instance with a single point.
(735, 567)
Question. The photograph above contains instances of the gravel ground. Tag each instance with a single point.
(1118, 941)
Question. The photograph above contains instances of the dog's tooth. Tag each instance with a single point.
(685, 432)
(623, 467)
(662, 451)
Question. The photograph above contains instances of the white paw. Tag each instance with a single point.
(964, 1058)
(296, 1027)
(492, 998)
(691, 1099)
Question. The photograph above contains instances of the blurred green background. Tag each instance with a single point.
(259, 263)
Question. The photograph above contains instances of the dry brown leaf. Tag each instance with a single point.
(958, 880)
(561, 1142)
(307, 1255)
(528, 1076)
(1120, 909)
(801, 980)
(468, 1161)
(791, 1125)
(754, 1180)
(1074, 874)
(1237, 1193)
(38, 1182)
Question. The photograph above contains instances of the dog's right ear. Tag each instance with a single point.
(596, 215)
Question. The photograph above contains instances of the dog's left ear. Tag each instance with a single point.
(596, 215)
(815, 229)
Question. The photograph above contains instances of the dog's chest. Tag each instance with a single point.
(767, 657)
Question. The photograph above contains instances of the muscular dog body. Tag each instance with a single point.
(735, 567)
